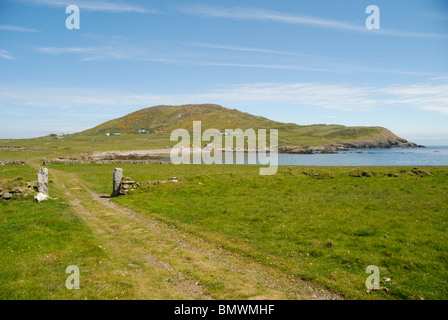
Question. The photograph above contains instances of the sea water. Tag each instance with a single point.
(430, 156)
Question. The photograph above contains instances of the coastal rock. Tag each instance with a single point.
(381, 144)
(312, 150)
(295, 150)
(7, 196)
(350, 146)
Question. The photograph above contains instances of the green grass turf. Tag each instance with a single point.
(38, 241)
(326, 228)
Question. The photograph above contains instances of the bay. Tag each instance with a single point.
(430, 156)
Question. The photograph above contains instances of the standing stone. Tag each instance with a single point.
(42, 181)
(118, 175)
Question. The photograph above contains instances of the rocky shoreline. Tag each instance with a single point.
(351, 146)
(163, 155)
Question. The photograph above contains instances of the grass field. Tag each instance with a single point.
(49, 147)
(38, 242)
(324, 225)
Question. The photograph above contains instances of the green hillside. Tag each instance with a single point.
(168, 118)
(164, 119)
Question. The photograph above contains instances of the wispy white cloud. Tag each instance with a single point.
(107, 52)
(351, 64)
(61, 50)
(5, 55)
(240, 13)
(99, 5)
(123, 51)
(328, 96)
(290, 67)
(439, 78)
(442, 17)
(342, 97)
(257, 50)
(432, 97)
(264, 15)
(17, 28)
(390, 32)
(240, 48)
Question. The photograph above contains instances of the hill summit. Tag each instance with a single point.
(165, 118)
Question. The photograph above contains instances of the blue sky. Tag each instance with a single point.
(291, 61)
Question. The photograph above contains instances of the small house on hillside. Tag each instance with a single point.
(146, 131)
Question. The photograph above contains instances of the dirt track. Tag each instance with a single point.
(162, 262)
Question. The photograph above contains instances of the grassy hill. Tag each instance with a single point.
(164, 119)
(168, 118)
